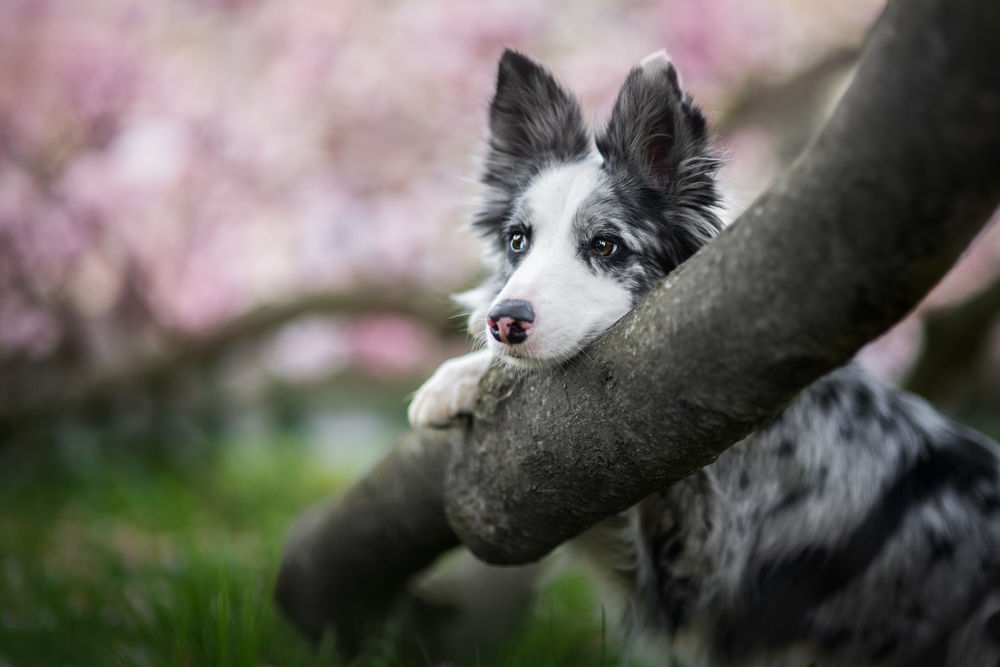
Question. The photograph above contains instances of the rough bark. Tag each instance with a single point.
(848, 241)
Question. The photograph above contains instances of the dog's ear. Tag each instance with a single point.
(533, 122)
(655, 127)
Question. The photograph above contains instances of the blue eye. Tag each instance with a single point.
(518, 242)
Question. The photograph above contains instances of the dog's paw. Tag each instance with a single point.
(449, 392)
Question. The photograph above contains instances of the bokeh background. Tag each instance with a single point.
(228, 229)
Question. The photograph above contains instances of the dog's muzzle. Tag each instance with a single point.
(510, 321)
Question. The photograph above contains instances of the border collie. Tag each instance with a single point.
(858, 527)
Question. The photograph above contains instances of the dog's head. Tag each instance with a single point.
(579, 227)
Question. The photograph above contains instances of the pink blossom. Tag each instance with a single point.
(241, 152)
(387, 345)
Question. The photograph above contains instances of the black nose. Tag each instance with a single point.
(510, 321)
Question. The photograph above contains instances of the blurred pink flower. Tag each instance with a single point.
(26, 329)
(308, 350)
(891, 355)
(244, 151)
(389, 345)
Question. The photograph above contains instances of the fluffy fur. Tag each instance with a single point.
(870, 532)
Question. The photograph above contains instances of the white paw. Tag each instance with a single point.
(449, 392)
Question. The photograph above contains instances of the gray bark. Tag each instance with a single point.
(856, 232)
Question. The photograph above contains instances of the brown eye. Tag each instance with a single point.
(518, 242)
(603, 247)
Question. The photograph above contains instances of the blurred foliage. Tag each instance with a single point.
(122, 562)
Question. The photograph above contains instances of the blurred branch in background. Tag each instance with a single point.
(792, 109)
(43, 390)
(958, 367)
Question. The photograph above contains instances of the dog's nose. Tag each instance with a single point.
(510, 320)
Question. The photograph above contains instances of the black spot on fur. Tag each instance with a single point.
(963, 463)
(677, 604)
(833, 640)
(744, 480)
(864, 402)
(992, 627)
(845, 431)
(672, 549)
(774, 615)
(819, 486)
(936, 654)
(887, 423)
(666, 535)
(942, 548)
(885, 649)
(786, 449)
(914, 612)
(988, 504)
(826, 394)
(793, 497)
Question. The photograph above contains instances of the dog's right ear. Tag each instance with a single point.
(656, 130)
(533, 122)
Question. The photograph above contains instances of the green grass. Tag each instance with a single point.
(130, 563)
(566, 627)
(116, 560)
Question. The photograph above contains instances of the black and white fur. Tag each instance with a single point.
(859, 527)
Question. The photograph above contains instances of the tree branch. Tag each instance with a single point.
(848, 241)
(792, 109)
(346, 560)
(143, 370)
(954, 368)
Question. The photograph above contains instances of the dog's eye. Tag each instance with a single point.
(518, 242)
(602, 247)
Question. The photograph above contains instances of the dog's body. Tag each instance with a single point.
(859, 527)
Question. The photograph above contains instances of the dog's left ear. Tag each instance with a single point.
(654, 125)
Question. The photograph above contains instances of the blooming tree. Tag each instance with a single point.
(166, 167)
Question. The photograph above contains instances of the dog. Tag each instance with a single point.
(858, 527)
